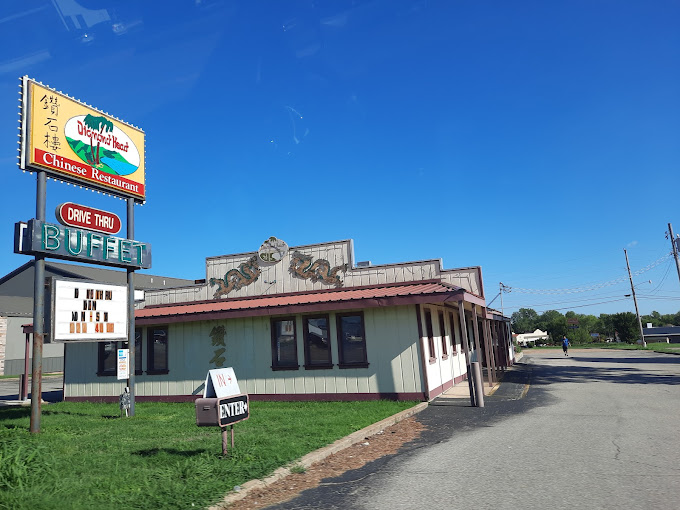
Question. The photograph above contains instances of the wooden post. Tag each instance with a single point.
(232, 437)
(487, 349)
(225, 441)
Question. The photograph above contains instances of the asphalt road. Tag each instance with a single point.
(595, 430)
(52, 389)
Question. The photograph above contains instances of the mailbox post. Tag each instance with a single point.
(222, 404)
(223, 413)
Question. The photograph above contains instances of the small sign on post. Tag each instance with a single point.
(123, 364)
(222, 404)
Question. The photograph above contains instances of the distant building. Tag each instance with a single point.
(670, 334)
(536, 336)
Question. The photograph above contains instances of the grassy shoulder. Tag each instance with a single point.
(89, 456)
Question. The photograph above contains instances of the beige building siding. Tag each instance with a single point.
(391, 343)
(277, 278)
(444, 371)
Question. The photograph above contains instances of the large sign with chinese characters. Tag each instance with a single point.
(84, 311)
(37, 237)
(76, 143)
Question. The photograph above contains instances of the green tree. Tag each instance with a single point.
(524, 320)
(554, 323)
(605, 325)
(626, 326)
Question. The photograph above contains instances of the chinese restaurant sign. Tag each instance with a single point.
(80, 245)
(76, 143)
(84, 311)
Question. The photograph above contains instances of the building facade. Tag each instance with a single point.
(305, 323)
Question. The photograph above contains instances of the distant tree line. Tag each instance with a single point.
(557, 325)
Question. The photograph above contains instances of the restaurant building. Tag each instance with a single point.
(305, 323)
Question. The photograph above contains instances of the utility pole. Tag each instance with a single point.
(675, 248)
(501, 289)
(632, 289)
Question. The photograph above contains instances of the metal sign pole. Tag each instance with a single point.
(131, 308)
(38, 311)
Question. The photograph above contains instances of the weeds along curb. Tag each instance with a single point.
(318, 455)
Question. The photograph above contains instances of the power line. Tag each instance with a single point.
(591, 287)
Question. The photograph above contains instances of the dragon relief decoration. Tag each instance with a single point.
(247, 272)
(319, 270)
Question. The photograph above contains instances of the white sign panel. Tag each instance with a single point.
(84, 311)
(123, 364)
(221, 383)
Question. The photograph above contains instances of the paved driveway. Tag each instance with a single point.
(52, 389)
(597, 429)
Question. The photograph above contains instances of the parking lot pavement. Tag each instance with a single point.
(52, 389)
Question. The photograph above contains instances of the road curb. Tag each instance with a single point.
(320, 454)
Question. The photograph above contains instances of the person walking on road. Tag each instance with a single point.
(565, 345)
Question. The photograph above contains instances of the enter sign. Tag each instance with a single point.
(74, 215)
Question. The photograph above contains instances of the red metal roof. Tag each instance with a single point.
(431, 291)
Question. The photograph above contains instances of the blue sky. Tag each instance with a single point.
(535, 139)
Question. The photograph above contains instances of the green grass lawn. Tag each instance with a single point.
(86, 456)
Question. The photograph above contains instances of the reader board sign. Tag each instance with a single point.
(81, 216)
(123, 364)
(85, 311)
(77, 143)
(233, 410)
(221, 383)
(68, 243)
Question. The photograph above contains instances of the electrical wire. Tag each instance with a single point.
(588, 288)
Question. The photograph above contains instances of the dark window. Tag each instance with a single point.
(138, 351)
(430, 334)
(317, 342)
(351, 341)
(442, 334)
(284, 344)
(453, 334)
(157, 351)
(106, 359)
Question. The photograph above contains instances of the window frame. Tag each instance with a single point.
(339, 338)
(430, 334)
(452, 324)
(150, 354)
(101, 372)
(305, 337)
(442, 335)
(276, 365)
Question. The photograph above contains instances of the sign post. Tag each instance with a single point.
(75, 143)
